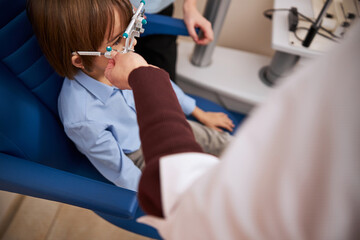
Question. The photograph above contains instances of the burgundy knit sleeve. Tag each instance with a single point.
(163, 130)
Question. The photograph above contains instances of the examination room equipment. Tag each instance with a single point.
(330, 18)
(245, 88)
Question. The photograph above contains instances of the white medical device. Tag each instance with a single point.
(134, 29)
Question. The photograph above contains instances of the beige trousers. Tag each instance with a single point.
(210, 140)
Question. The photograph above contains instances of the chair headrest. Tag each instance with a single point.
(21, 54)
(29, 125)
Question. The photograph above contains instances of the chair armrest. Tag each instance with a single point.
(33, 179)
(160, 24)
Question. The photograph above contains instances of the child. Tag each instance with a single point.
(98, 117)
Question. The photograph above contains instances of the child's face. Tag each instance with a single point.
(116, 42)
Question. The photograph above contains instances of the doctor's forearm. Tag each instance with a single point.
(189, 4)
(163, 130)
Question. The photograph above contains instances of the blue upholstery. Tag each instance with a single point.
(36, 157)
(160, 24)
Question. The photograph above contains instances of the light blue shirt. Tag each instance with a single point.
(153, 6)
(101, 121)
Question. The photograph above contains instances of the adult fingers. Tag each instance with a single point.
(208, 34)
(192, 32)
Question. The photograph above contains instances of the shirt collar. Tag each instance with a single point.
(98, 89)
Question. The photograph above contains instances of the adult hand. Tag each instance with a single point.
(193, 19)
(120, 66)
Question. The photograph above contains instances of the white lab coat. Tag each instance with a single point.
(293, 171)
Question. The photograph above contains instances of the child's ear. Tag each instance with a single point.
(77, 62)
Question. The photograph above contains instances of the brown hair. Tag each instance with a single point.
(65, 26)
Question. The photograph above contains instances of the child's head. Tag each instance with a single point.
(66, 26)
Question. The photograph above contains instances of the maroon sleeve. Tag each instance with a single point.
(163, 130)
